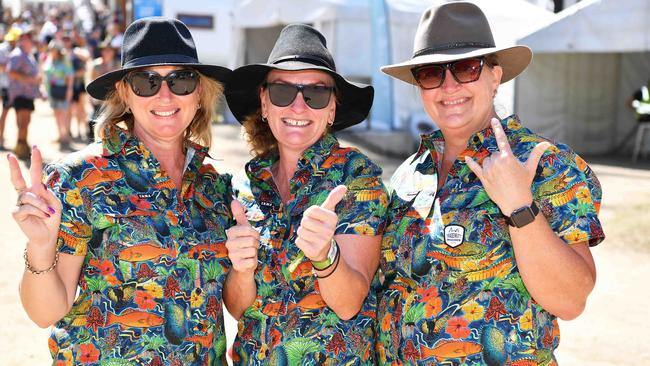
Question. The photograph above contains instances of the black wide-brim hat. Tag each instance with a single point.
(299, 47)
(455, 31)
(155, 41)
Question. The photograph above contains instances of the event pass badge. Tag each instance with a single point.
(454, 235)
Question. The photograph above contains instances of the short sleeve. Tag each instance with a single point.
(363, 209)
(75, 231)
(569, 195)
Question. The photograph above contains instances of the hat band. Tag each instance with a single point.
(308, 59)
(451, 46)
(161, 59)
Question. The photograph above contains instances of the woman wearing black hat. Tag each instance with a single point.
(300, 287)
(135, 222)
(489, 224)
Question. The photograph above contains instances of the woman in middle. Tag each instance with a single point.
(305, 253)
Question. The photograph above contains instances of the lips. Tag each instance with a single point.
(296, 122)
(449, 103)
(165, 113)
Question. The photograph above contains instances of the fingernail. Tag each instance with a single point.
(34, 147)
(47, 215)
(51, 210)
(44, 186)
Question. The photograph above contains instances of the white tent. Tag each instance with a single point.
(586, 65)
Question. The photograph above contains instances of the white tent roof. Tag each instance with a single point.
(596, 26)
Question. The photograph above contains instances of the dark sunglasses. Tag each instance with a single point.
(148, 83)
(433, 75)
(282, 95)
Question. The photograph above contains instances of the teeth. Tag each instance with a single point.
(164, 114)
(454, 102)
(295, 122)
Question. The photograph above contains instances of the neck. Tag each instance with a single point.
(169, 154)
(284, 170)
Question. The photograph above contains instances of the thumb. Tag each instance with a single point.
(536, 155)
(335, 196)
(238, 212)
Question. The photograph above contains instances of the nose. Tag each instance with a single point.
(164, 92)
(450, 82)
(298, 103)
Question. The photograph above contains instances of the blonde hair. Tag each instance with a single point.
(114, 111)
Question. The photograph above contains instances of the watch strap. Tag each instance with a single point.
(533, 208)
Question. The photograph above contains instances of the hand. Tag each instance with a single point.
(318, 225)
(243, 241)
(506, 180)
(38, 211)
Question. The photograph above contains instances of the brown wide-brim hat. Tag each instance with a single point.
(456, 31)
(155, 41)
(299, 47)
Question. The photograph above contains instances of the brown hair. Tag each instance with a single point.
(259, 136)
(114, 111)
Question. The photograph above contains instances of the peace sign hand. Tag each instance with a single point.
(506, 180)
(38, 210)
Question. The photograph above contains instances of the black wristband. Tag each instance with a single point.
(336, 264)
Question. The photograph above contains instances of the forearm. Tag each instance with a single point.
(557, 276)
(344, 290)
(239, 292)
(44, 297)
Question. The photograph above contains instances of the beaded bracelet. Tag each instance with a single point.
(33, 271)
(336, 264)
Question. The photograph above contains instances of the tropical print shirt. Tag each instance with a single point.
(154, 258)
(453, 292)
(289, 322)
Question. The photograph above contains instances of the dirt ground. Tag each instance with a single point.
(612, 330)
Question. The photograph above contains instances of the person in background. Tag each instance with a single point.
(489, 225)
(78, 55)
(24, 83)
(134, 223)
(102, 65)
(640, 103)
(301, 286)
(8, 44)
(58, 75)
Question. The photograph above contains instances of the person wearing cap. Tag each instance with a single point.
(106, 63)
(136, 221)
(489, 224)
(306, 244)
(24, 83)
(58, 73)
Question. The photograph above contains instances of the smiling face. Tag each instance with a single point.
(164, 116)
(297, 126)
(463, 108)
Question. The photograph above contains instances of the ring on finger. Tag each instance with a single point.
(19, 202)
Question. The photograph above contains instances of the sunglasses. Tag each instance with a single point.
(464, 71)
(315, 96)
(148, 83)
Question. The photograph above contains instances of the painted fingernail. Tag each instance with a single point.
(51, 210)
(34, 147)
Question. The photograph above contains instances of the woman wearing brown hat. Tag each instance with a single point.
(136, 221)
(305, 251)
(489, 224)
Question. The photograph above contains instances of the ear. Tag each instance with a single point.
(497, 74)
(263, 106)
(332, 112)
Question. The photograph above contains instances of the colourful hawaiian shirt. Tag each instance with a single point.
(155, 258)
(289, 322)
(452, 288)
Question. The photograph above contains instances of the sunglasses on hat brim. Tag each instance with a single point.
(147, 83)
(283, 94)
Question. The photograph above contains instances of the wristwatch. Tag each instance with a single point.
(331, 257)
(523, 216)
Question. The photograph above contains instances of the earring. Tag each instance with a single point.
(198, 106)
(128, 109)
(264, 119)
(329, 123)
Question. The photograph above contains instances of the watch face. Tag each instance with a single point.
(522, 217)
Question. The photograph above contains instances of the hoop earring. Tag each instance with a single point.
(329, 123)
(264, 120)
(128, 109)
(198, 106)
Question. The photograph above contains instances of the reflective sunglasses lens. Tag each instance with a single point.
(182, 82)
(145, 83)
(430, 76)
(317, 96)
(466, 71)
(282, 95)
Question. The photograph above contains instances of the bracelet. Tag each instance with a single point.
(331, 258)
(336, 264)
(37, 272)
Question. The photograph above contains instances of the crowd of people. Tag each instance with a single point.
(135, 244)
(51, 59)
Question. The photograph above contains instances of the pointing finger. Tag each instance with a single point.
(238, 212)
(536, 155)
(500, 136)
(16, 175)
(335, 196)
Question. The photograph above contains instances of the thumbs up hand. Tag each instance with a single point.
(318, 225)
(243, 241)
